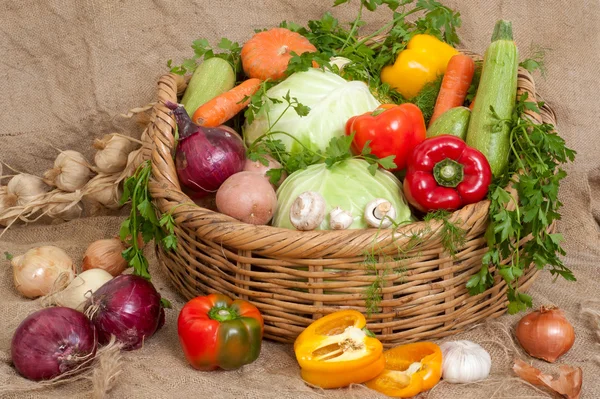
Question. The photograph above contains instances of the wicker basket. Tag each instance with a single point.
(296, 277)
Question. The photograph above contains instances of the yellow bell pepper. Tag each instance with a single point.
(423, 60)
(409, 370)
(335, 351)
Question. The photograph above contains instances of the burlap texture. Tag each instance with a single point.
(67, 69)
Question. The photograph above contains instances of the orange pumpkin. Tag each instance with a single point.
(267, 54)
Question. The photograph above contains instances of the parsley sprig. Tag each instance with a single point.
(535, 172)
(203, 50)
(143, 220)
(369, 56)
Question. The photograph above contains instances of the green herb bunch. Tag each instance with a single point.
(143, 221)
(535, 172)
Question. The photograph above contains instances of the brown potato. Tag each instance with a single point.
(247, 197)
(258, 167)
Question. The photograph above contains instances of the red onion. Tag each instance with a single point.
(205, 156)
(51, 342)
(127, 307)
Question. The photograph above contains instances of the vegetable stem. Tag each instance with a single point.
(354, 26)
(502, 31)
(386, 27)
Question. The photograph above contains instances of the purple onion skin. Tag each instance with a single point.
(128, 308)
(206, 156)
(51, 342)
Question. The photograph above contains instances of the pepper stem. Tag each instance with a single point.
(222, 314)
(448, 173)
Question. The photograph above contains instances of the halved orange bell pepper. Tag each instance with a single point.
(409, 370)
(337, 350)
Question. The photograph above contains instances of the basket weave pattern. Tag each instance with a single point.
(296, 277)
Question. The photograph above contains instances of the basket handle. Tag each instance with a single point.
(164, 185)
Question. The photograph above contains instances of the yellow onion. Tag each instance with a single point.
(41, 270)
(105, 254)
(545, 334)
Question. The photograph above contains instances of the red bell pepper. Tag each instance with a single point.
(217, 332)
(444, 173)
(390, 130)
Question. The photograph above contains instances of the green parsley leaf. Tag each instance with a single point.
(143, 220)
(165, 303)
(338, 150)
(537, 154)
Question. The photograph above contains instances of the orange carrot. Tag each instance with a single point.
(225, 106)
(455, 85)
(472, 104)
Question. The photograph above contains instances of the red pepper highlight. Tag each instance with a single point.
(390, 130)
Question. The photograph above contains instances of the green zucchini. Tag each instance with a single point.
(455, 121)
(213, 77)
(497, 89)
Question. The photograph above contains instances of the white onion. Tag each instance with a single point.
(81, 288)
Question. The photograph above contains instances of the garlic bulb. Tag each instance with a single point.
(106, 255)
(65, 206)
(464, 361)
(70, 172)
(104, 190)
(81, 288)
(26, 188)
(7, 199)
(112, 153)
(41, 270)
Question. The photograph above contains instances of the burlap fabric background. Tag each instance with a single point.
(68, 68)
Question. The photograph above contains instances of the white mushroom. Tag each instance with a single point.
(340, 219)
(307, 211)
(380, 213)
(341, 62)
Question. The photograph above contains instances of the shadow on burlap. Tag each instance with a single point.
(69, 69)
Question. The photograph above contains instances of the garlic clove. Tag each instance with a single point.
(308, 211)
(340, 219)
(464, 362)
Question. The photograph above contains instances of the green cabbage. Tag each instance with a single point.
(332, 101)
(347, 184)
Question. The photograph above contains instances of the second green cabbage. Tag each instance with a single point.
(347, 184)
